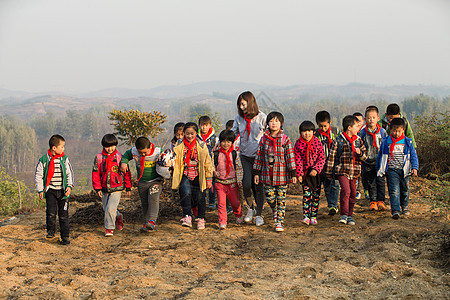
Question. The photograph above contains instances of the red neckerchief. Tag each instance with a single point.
(274, 141)
(374, 135)
(309, 146)
(207, 135)
(142, 163)
(190, 151)
(351, 140)
(248, 126)
(394, 141)
(228, 156)
(328, 135)
(51, 166)
(109, 160)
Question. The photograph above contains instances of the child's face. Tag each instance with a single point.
(190, 134)
(360, 122)
(307, 135)
(324, 126)
(110, 149)
(204, 128)
(353, 130)
(390, 117)
(180, 134)
(226, 145)
(274, 125)
(397, 131)
(144, 152)
(372, 118)
(243, 106)
(58, 150)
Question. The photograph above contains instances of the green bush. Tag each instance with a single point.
(9, 195)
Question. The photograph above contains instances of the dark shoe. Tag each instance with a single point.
(332, 211)
(50, 235)
(65, 241)
(395, 215)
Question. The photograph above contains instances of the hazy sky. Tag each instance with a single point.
(85, 45)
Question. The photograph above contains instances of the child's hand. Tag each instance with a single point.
(216, 174)
(68, 190)
(414, 172)
(358, 151)
(129, 193)
(300, 179)
(313, 172)
(123, 167)
(208, 184)
(256, 179)
(41, 196)
(100, 194)
(294, 180)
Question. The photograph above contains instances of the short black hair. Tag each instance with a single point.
(190, 125)
(392, 109)
(229, 124)
(273, 115)
(348, 121)
(227, 135)
(142, 143)
(204, 120)
(306, 125)
(109, 140)
(179, 126)
(323, 116)
(397, 122)
(358, 114)
(371, 108)
(55, 140)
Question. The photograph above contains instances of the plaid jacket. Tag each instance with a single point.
(343, 165)
(284, 166)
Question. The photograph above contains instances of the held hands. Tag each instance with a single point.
(256, 179)
(129, 193)
(216, 174)
(313, 172)
(240, 184)
(358, 151)
(68, 190)
(208, 184)
(123, 167)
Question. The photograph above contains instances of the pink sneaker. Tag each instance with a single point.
(186, 221)
(306, 221)
(109, 232)
(313, 221)
(119, 222)
(201, 224)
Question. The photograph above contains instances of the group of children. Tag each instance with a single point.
(252, 156)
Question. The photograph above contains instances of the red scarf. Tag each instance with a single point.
(328, 135)
(190, 152)
(309, 147)
(229, 163)
(274, 141)
(374, 138)
(51, 166)
(207, 135)
(394, 141)
(351, 140)
(109, 160)
(248, 126)
(142, 162)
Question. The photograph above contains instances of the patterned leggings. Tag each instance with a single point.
(276, 197)
(310, 201)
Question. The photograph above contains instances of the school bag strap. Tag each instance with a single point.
(100, 158)
(216, 157)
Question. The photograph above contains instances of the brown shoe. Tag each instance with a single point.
(381, 205)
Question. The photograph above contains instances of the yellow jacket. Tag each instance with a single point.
(205, 168)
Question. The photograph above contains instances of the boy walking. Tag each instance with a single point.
(392, 112)
(54, 182)
(327, 134)
(397, 159)
(346, 153)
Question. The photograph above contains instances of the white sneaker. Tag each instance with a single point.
(249, 217)
(259, 220)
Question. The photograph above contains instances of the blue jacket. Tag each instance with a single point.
(372, 152)
(410, 160)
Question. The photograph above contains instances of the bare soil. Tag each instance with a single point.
(378, 258)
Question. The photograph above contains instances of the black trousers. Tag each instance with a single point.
(57, 205)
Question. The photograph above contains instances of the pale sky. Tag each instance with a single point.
(87, 45)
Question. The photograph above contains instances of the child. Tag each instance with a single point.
(228, 174)
(192, 174)
(327, 134)
(109, 182)
(310, 159)
(393, 111)
(275, 166)
(177, 134)
(361, 125)
(397, 159)
(207, 135)
(54, 182)
(371, 136)
(229, 126)
(145, 155)
(343, 162)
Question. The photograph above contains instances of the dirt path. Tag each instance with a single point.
(379, 258)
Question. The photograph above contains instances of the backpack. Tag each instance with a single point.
(116, 177)
(216, 157)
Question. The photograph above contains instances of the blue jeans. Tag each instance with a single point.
(191, 196)
(398, 187)
(331, 188)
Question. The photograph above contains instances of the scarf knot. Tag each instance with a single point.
(351, 141)
(190, 152)
(374, 135)
(248, 126)
(308, 147)
(142, 162)
(327, 134)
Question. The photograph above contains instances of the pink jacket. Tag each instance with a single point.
(316, 156)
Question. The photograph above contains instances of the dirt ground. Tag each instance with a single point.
(379, 258)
